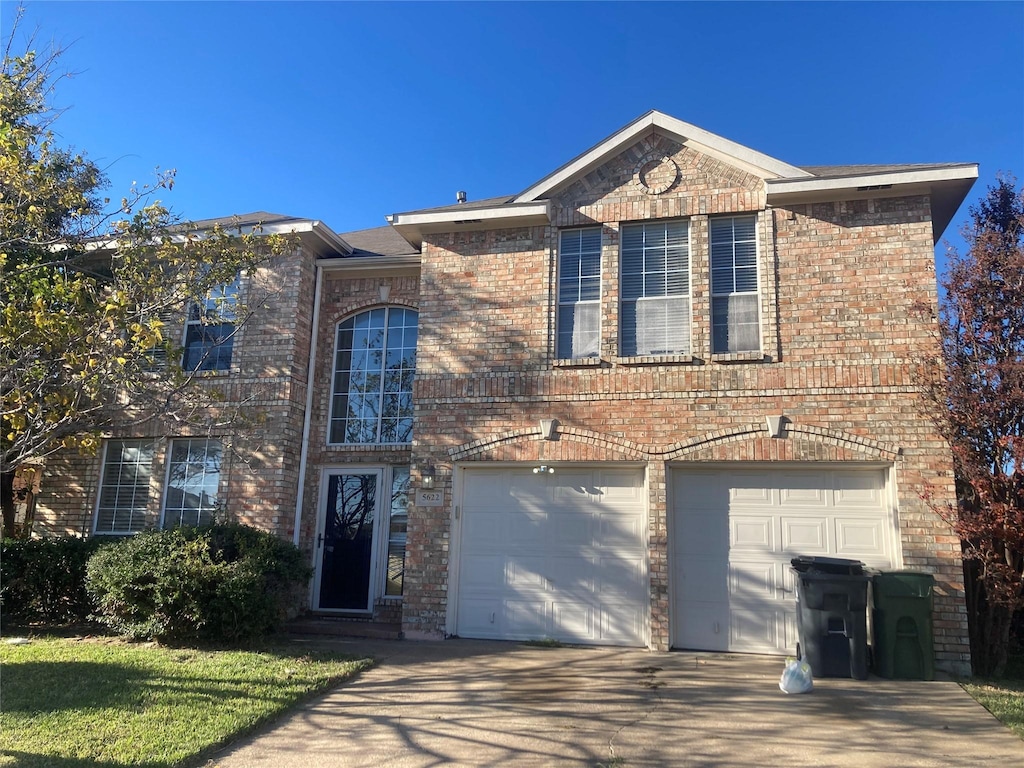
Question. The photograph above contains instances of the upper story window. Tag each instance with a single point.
(734, 301)
(374, 367)
(579, 293)
(193, 482)
(655, 288)
(210, 330)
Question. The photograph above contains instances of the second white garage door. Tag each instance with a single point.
(561, 556)
(734, 532)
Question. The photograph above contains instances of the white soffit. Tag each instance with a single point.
(790, 188)
(702, 141)
(355, 266)
(412, 226)
(323, 241)
(947, 187)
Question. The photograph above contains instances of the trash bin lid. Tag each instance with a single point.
(834, 565)
(903, 584)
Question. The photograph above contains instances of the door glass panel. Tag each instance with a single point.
(396, 531)
(347, 551)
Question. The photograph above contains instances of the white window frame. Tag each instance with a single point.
(204, 512)
(654, 286)
(216, 311)
(570, 270)
(140, 492)
(334, 402)
(717, 296)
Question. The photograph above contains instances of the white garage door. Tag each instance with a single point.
(561, 556)
(734, 533)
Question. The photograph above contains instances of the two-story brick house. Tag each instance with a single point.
(611, 408)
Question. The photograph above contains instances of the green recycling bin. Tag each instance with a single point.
(901, 620)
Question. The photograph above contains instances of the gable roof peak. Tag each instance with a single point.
(685, 133)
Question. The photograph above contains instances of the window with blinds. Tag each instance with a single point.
(735, 321)
(124, 487)
(579, 294)
(655, 288)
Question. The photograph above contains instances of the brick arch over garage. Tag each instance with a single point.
(798, 442)
(751, 442)
(569, 444)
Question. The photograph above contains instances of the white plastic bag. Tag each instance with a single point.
(796, 677)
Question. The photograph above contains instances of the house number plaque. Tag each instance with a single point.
(429, 498)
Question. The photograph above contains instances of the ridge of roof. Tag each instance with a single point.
(245, 220)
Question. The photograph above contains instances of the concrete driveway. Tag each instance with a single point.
(465, 702)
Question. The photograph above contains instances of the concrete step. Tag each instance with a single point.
(331, 626)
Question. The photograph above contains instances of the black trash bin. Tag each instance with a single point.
(901, 622)
(831, 612)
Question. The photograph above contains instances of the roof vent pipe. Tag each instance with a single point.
(460, 196)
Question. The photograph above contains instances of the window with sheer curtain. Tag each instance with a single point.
(193, 482)
(374, 367)
(655, 288)
(579, 293)
(735, 319)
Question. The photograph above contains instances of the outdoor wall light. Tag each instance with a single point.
(543, 469)
(427, 477)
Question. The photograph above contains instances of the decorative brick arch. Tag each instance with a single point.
(569, 444)
(753, 442)
(750, 442)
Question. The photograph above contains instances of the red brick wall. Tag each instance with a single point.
(266, 387)
(838, 283)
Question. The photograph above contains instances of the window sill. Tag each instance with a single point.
(654, 360)
(739, 357)
(369, 446)
(578, 362)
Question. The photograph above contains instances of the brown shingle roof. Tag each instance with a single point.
(838, 171)
(378, 241)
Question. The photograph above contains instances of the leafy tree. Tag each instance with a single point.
(89, 289)
(978, 402)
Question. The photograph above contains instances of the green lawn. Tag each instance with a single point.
(1004, 698)
(100, 702)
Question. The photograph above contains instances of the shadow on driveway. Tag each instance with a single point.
(475, 703)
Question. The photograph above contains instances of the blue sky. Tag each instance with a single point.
(346, 112)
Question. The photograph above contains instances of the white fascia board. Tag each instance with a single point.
(704, 141)
(471, 215)
(776, 188)
(325, 240)
(365, 263)
(412, 226)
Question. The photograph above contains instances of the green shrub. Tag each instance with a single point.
(218, 583)
(43, 580)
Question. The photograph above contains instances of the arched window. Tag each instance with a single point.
(374, 364)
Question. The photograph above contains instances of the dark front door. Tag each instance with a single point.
(346, 543)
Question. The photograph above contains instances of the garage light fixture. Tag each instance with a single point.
(543, 469)
(427, 475)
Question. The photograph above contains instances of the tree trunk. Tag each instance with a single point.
(989, 626)
(7, 504)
